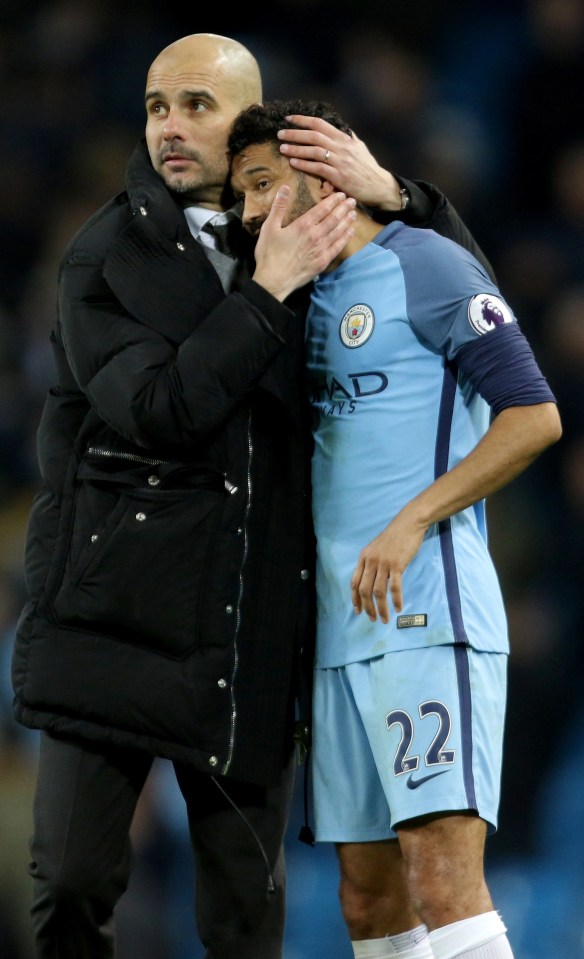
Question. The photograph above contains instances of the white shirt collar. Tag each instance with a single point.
(198, 216)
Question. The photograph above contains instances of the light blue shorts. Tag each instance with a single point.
(412, 732)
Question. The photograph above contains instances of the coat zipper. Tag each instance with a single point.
(136, 458)
(231, 745)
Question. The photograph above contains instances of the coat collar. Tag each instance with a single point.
(147, 192)
(154, 266)
(149, 195)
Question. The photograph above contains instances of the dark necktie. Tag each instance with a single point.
(223, 258)
(221, 230)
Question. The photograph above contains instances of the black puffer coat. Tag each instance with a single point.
(167, 559)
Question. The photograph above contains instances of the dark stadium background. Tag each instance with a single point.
(483, 99)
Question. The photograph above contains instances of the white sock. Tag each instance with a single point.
(480, 937)
(413, 944)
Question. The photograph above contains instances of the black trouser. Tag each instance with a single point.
(81, 854)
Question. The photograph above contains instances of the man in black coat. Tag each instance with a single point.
(169, 551)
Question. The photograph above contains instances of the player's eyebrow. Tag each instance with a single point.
(260, 168)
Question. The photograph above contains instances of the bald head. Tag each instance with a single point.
(195, 88)
(224, 60)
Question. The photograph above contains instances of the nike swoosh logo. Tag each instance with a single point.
(414, 783)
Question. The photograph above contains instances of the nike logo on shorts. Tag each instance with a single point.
(414, 783)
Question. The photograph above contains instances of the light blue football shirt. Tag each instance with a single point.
(391, 412)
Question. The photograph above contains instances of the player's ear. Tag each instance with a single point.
(326, 188)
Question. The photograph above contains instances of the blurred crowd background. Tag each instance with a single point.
(485, 100)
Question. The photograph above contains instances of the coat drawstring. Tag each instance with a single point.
(271, 883)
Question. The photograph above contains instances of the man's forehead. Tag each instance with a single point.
(181, 79)
(257, 157)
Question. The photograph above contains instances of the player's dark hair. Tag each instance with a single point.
(260, 122)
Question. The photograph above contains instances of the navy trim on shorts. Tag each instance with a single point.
(464, 693)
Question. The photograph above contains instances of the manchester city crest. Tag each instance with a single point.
(357, 325)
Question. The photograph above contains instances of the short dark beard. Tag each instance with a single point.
(303, 200)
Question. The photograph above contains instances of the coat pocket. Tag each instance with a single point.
(137, 564)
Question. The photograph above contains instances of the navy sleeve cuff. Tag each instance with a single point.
(502, 368)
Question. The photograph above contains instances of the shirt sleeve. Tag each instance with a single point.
(455, 309)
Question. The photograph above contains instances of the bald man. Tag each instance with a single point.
(169, 553)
